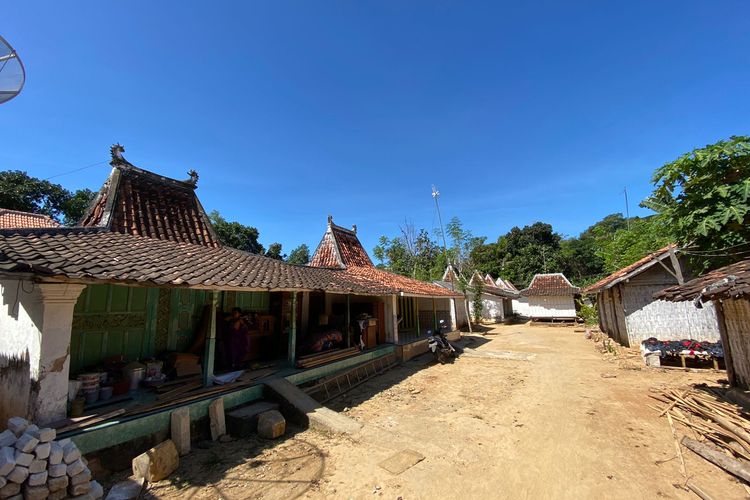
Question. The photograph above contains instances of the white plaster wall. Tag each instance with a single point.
(35, 323)
(20, 350)
(646, 317)
(552, 306)
(521, 306)
(492, 308)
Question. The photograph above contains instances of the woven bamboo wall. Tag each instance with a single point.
(737, 320)
(646, 317)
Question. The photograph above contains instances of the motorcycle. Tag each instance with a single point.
(439, 345)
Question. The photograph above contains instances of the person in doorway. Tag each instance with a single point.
(237, 338)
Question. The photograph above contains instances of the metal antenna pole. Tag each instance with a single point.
(436, 195)
(627, 207)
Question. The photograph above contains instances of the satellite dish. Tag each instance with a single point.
(12, 74)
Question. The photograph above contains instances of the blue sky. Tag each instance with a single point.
(290, 111)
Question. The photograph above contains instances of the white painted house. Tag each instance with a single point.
(550, 297)
(496, 302)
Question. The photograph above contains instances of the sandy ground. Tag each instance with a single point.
(550, 426)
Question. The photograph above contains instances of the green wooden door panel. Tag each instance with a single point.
(111, 320)
(184, 315)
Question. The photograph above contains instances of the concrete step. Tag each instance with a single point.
(309, 411)
(243, 422)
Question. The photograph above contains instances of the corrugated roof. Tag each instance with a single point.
(627, 272)
(732, 281)
(11, 219)
(550, 284)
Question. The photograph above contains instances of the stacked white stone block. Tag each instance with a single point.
(34, 466)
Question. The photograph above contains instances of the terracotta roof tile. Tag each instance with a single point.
(85, 254)
(549, 284)
(11, 219)
(628, 271)
(732, 281)
(138, 202)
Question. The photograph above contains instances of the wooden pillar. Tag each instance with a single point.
(434, 315)
(209, 351)
(416, 309)
(292, 354)
(348, 322)
(731, 376)
(394, 318)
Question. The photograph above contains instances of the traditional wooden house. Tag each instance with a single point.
(728, 289)
(418, 306)
(629, 313)
(550, 297)
(145, 276)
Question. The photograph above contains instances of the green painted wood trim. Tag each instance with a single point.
(121, 431)
(152, 307)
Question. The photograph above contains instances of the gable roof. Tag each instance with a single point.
(11, 219)
(142, 203)
(490, 288)
(549, 284)
(729, 282)
(340, 248)
(506, 284)
(628, 272)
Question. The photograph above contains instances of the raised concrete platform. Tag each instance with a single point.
(309, 411)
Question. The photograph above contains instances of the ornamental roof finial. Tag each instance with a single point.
(116, 152)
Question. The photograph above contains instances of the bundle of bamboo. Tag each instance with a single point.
(720, 428)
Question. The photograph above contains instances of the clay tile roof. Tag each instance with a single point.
(11, 219)
(730, 282)
(505, 284)
(549, 284)
(340, 248)
(95, 254)
(138, 202)
(490, 287)
(629, 271)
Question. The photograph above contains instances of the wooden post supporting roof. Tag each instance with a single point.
(348, 322)
(210, 348)
(292, 354)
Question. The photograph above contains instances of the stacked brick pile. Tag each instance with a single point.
(35, 466)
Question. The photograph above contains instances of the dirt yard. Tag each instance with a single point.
(562, 420)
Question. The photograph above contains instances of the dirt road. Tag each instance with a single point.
(545, 424)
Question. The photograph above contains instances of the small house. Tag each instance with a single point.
(629, 314)
(727, 290)
(550, 297)
(497, 302)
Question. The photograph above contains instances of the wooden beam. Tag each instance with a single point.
(292, 354)
(676, 266)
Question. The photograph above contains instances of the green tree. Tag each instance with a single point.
(705, 197)
(74, 208)
(300, 255)
(275, 252)
(477, 289)
(236, 235)
(627, 245)
(19, 191)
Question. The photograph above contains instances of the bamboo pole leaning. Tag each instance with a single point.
(720, 429)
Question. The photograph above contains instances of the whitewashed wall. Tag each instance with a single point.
(646, 317)
(521, 306)
(552, 306)
(20, 324)
(492, 309)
